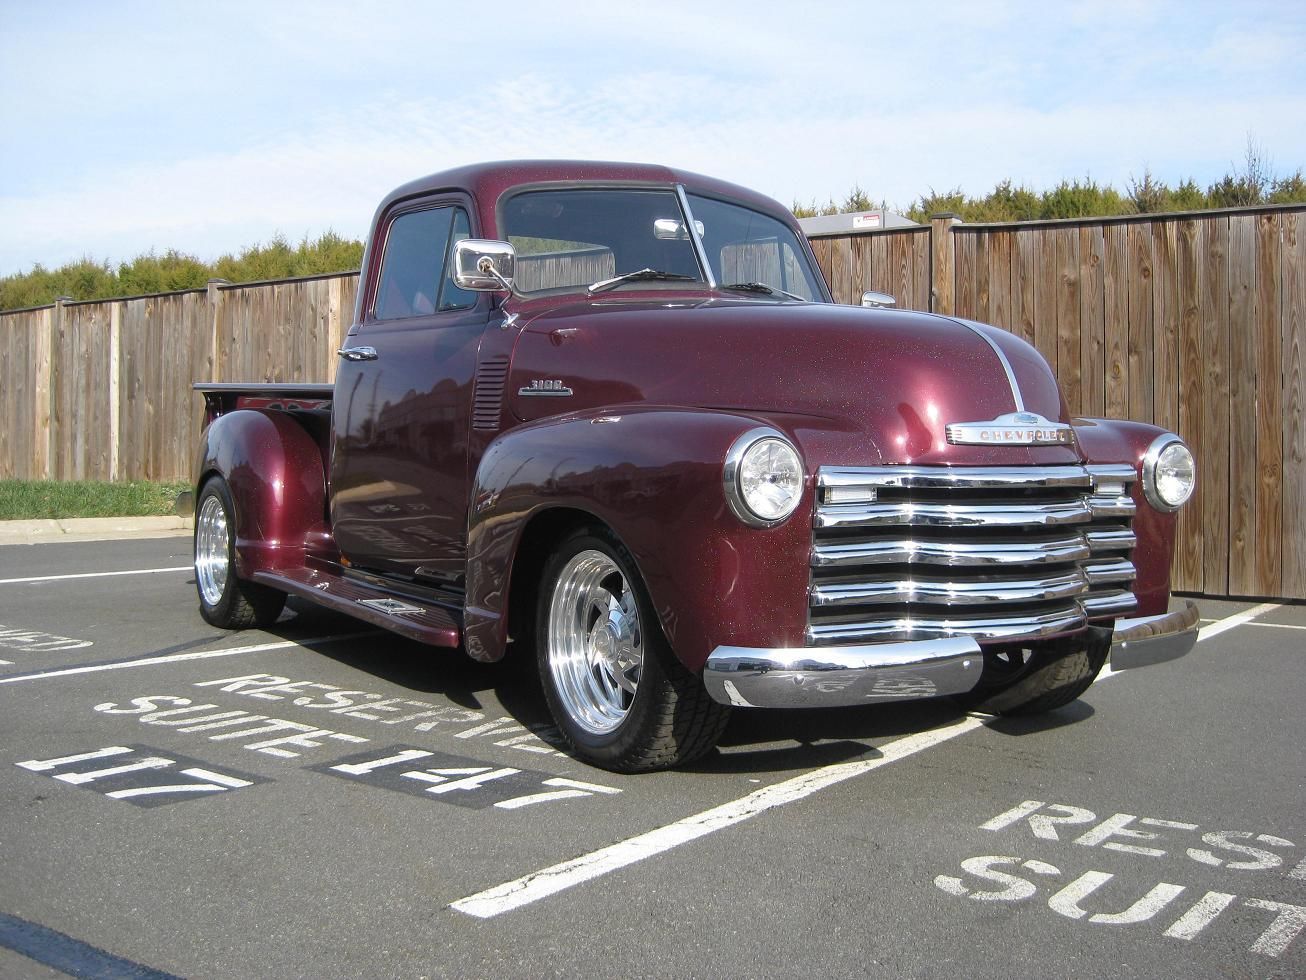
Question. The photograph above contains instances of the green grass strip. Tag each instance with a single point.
(24, 500)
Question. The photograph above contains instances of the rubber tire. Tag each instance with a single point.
(1053, 677)
(243, 604)
(672, 719)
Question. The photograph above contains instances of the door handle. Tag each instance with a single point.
(357, 353)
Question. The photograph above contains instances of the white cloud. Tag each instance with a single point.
(310, 119)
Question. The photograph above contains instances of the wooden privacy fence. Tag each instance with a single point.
(102, 390)
(1195, 322)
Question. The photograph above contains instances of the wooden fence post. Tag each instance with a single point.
(213, 296)
(335, 325)
(943, 263)
(115, 380)
(38, 436)
(56, 422)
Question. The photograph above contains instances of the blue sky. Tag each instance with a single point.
(126, 127)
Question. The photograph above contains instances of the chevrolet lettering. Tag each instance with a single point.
(607, 416)
(1023, 428)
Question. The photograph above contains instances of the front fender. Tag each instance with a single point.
(278, 485)
(654, 477)
(1116, 441)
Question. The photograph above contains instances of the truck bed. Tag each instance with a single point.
(221, 397)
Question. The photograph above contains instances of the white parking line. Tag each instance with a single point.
(549, 881)
(1237, 619)
(179, 657)
(59, 578)
(541, 884)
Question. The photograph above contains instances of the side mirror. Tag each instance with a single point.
(484, 265)
(877, 300)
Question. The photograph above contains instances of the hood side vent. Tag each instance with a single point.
(487, 402)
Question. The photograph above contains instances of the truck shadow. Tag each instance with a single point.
(755, 740)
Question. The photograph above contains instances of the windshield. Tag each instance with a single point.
(605, 238)
(747, 248)
(576, 237)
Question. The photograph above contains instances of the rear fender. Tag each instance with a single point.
(653, 476)
(1116, 441)
(278, 485)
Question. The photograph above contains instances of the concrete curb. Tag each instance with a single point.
(93, 529)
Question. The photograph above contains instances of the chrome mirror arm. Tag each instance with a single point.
(487, 267)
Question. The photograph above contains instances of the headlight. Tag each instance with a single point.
(1169, 473)
(763, 477)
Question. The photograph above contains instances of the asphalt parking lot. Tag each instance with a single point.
(327, 800)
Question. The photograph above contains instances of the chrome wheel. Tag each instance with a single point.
(212, 550)
(595, 645)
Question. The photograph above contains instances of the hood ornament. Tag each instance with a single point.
(1016, 429)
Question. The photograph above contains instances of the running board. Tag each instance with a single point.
(413, 618)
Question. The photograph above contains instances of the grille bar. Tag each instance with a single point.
(925, 551)
(998, 553)
(972, 477)
(1109, 603)
(1015, 626)
(1116, 540)
(1111, 506)
(955, 515)
(952, 592)
(1098, 572)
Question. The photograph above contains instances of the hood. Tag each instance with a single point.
(854, 386)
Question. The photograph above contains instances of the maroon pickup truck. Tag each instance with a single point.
(609, 413)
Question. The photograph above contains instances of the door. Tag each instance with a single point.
(401, 418)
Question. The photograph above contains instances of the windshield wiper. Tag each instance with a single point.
(761, 287)
(639, 276)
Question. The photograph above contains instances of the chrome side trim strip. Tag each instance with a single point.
(1006, 364)
(806, 678)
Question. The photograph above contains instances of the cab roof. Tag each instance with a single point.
(487, 182)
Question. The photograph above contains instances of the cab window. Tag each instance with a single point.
(416, 278)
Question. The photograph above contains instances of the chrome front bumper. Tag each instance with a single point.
(822, 677)
(1154, 639)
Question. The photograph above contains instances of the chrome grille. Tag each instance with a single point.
(998, 553)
